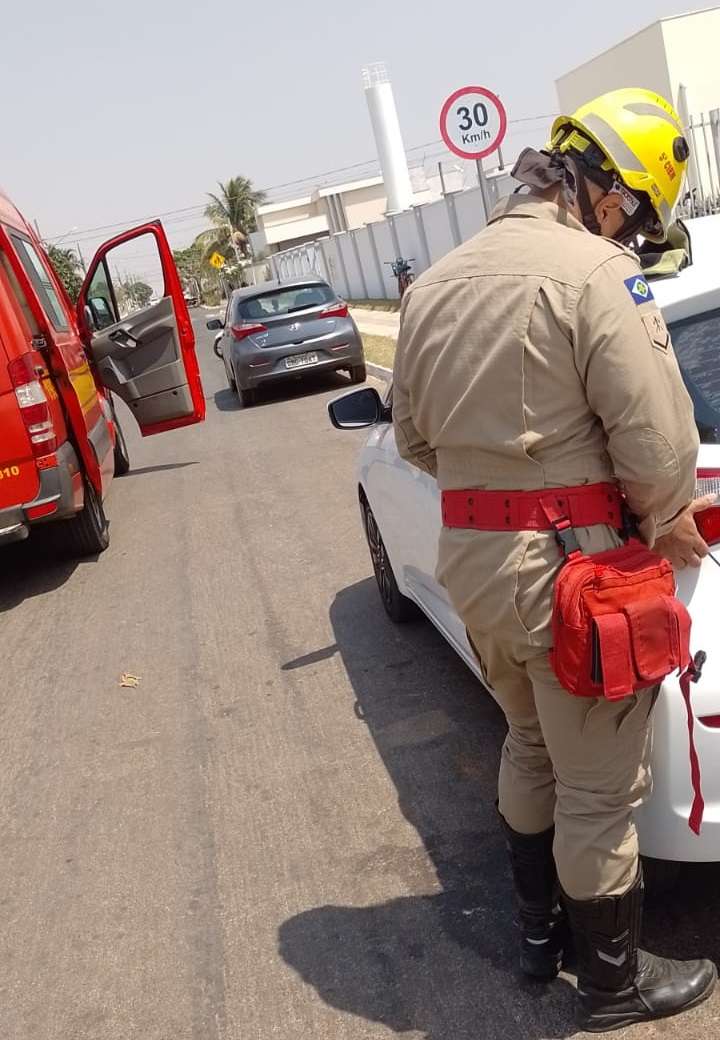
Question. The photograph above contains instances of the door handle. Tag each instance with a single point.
(123, 338)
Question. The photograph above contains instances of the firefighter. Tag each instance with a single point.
(534, 357)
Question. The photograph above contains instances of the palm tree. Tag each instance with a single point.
(232, 213)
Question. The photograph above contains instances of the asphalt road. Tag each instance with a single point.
(287, 830)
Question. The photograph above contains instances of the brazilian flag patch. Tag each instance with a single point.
(639, 289)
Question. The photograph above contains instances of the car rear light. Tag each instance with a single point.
(247, 329)
(708, 521)
(37, 512)
(335, 310)
(33, 404)
(711, 721)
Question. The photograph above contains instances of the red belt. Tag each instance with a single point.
(540, 510)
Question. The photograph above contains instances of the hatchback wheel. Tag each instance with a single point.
(247, 397)
(358, 374)
(398, 607)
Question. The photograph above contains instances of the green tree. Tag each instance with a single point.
(133, 294)
(191, 268)
(232, 213)
(68, 269)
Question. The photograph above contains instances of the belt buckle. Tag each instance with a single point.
(566, 538)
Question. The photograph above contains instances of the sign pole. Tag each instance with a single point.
(473, 124)
(482, 181)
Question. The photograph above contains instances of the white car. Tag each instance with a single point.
(401, 512)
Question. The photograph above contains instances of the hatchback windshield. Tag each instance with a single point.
(697, 346)
(280, 302)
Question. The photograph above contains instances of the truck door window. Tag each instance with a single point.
(18, 296)
(128, 280)
(42, 282)
(101, 299)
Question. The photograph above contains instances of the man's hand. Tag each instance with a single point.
(683, 546)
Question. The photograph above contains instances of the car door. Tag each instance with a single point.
(407, 507)
(49, 315)
(144, 351)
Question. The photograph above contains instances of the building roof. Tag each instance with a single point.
(339, 189)
(320, 192)
(277, 207)
(639, 32)
(291, 229)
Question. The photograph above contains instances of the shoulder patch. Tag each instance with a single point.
(639, 289)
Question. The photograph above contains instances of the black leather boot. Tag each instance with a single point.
(619, 984)
(543, 924)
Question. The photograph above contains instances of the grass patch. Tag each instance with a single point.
(379, 350)
(377, 305)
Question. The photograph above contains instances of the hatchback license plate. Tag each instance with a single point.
(301, 360)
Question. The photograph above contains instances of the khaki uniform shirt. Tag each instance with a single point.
(533, 357)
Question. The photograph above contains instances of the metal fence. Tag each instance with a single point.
(703, 185)
(357, 262)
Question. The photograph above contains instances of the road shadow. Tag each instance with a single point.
(140, 470)
(444, 964)
(226, 400)
(31, 568)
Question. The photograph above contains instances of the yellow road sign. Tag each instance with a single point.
(217, 260)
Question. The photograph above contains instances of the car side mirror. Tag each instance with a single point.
(358, 410)
(101, 312)
(215, 324)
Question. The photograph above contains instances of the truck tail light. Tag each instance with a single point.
(33, 405)
(335, 310)
(246, 329)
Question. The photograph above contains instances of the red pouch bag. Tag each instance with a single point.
(618, 628)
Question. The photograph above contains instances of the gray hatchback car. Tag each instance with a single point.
(280, 330)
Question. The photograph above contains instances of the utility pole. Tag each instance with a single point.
(81, 257)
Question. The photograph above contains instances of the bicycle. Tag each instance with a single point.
(403, 272)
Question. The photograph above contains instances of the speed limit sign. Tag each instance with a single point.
(473, 122)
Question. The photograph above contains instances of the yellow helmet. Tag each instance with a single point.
(641, 145)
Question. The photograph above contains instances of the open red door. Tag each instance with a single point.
(136, 325)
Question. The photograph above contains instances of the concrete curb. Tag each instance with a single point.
(379, 371)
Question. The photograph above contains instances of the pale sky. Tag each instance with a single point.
(116, 112)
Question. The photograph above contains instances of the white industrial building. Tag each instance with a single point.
(677, 57)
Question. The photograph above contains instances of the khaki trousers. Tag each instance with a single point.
(580, 763)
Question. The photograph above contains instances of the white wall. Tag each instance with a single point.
(470, 213)
(437, 230)
(425, 234)
(373, 279)
(639, 61)
(386, 252)
(692, 44)
(364, 205)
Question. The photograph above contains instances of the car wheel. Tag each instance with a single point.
(247, 397)
(398, 607)
(358, 374)
(86, 534)
(121, 453)
(217, 348)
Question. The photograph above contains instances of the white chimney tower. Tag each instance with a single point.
(388, 138)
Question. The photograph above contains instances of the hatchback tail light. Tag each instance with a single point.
(33, 405)
(335, 310)
(247, 329)
(708, 521)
